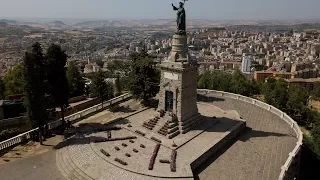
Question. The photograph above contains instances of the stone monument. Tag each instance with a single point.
(178, 86)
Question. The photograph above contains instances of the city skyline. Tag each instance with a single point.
(153, 9)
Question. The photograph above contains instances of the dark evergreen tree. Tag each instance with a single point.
(34, 74)
(316, 91)
(2, 89)
(75, 80)
(144, 77)
(57, 82)
(117, 86)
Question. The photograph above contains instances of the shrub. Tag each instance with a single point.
(143, 146)
(124, 144)
(117, 148)
(132, 141)
(109, 134)
(128, 155)
(8, 133)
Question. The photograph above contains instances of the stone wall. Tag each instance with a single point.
(226, 138)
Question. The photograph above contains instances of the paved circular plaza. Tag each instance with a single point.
(258, 153)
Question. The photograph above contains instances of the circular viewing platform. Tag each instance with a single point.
(267, 148)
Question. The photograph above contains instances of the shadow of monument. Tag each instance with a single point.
(78, 134)
(124, 109)
(249, 133)
(204, 98)
(208, 122)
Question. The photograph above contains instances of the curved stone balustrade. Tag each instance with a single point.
(289, 169)
(73, 117)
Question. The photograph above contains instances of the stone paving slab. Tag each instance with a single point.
(192, 145)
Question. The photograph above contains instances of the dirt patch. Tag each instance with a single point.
(30, 149)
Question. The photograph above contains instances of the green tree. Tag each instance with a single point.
(117, 85)
(276, 93)
(316, 138)
(144, 78)
(120, 66)
(2, 89)
(99, 62)
(204, 81)
(297, 101)
(34, 74)
(100, 88)
(316, 91)
(57, 82)
(14, 81)
(239, 84)
(75, 80)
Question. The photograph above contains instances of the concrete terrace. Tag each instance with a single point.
(259, 153)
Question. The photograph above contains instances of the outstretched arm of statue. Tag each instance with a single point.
(174, 8)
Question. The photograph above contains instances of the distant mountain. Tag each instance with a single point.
(8, 21)
(103, 23)
(3, 24)
(142, 23)
(59, 23)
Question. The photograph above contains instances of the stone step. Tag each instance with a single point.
(74, 172)
(61, 165)
(82, 174)
(173, 134)
(67, 167)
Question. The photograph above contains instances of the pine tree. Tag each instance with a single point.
(57, 82)
(34, 74)
(144, 78)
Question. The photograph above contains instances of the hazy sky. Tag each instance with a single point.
(161, 9)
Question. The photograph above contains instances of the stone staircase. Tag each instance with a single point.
(151, 123)
(67, 167)
(169, 126)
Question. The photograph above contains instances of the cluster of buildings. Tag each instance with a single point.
(293, 56)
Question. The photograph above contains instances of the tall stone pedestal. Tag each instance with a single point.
(178, 86)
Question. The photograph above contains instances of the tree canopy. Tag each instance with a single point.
(316, 91)
(2, 89)
(101, 88)
(14, 81)
(34, 73)
(144, 77)
(57, 83)
(75, 80)
(223, 81)
(276, 93)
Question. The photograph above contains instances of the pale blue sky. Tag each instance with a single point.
(161, 9)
